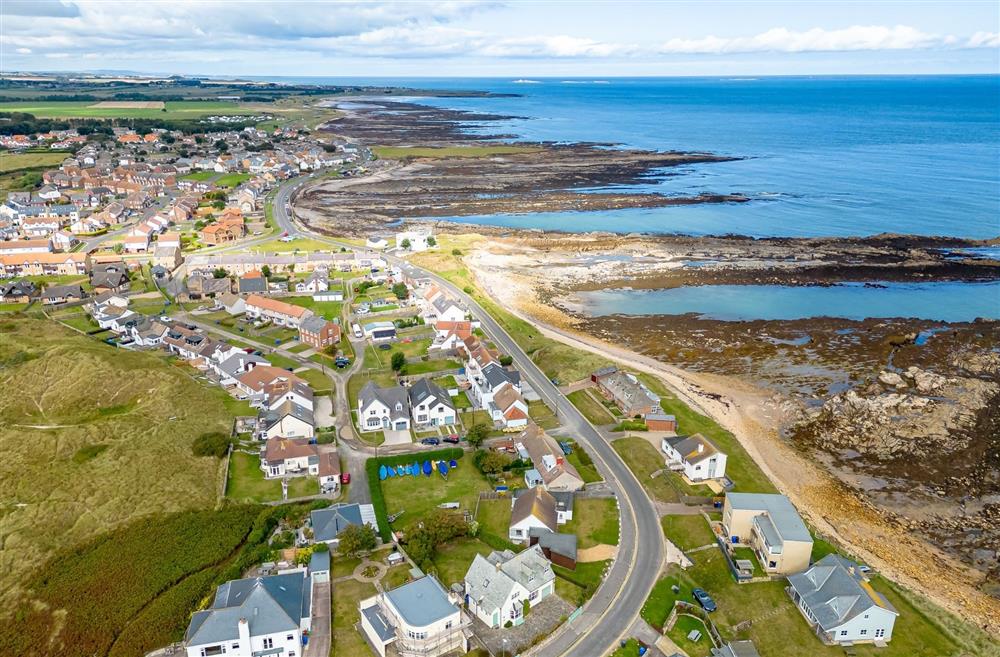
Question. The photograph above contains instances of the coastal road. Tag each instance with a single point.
(611, 611)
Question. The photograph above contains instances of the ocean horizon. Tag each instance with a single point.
(822, 156)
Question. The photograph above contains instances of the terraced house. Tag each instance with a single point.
(278, 312)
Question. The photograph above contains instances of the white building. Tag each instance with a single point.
(383, 408)
(537, 508)
(254, 616)
(430, 405)
(418, 240)
(695, 456)
(840, 604)
(418, 619)
(497, 586)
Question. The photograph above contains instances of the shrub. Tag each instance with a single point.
(506, 360)
(456, 252)
(211, 444)
(356, 540)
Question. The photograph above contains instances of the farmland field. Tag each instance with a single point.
(133, 433)
(18, 161)
(173, 110)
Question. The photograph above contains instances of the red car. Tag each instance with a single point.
(453, 439)
(345, 478)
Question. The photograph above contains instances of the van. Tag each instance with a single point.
(356, 329)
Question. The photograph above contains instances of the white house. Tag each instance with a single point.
(419, 240)
(840, 604)
(383, 408)
(417, 619)
(289, 457)
(695, 456)
(316, 282)
(536, 508)
(376, 242)
(430, 405)
(286, 420)
(254, 616)
(497, 586)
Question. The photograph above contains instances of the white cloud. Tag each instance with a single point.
(984, 40)
(780, 39)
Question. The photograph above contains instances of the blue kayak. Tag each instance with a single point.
(391, 472)
(443, 468)
(382, 472)
(427, 468)
(453, 464)
(416, 469)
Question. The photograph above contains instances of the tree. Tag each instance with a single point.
(456, 252)
(506, 361)
(219, 273)
(398, 361)
(526, 606)
(431, 241)
(405, 244)
(491, 463)
(219, 205)
(477, 434)
(356, 540)
(400, 291)
(266, 271)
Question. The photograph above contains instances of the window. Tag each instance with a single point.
(532, 595)
(879, 633)
(843, 633)
(290, 637)
(447, 625)
(268, 643)
(416, 635)
(864, 632)
(213, 650)
(236, 646)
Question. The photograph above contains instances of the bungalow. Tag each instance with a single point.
(263, 380)
(626, 391)
(430, 405)
(232, 303)
(319, 332)
(497, 586)
(287, 420)
(87, 225)
(17, 292)
(110, 277)
(840, 604)
(448, 336)
(383, 408)
(696, 456)
(329, 522)
(169, 239)
(279, 312)
(147, 332)
(443, 309)
(551, 469)
(417, 619)
(254, 616)
(57, 294)
(110, 316)
(252, 282)
(770, 525)
(537, 508)
(232, 367)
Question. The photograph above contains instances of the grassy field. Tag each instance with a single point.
(346, 596)
(50, 409)
(592, 409)
(643, 459)
(494, 516)
(595, 522)
(407, 153)
(687, 532)
(452, 560)
(246, 482)
(174, 110)
(581, 460)
(418, 496)
(328, 309)
(18, 161)
(200, 176)
(232, 179)
(300, 244)
(542, 415)
(320, 383)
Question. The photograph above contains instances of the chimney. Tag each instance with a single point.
(244, 630)
(701, 447)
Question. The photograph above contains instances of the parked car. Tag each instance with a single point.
(704, 599)
(345, 478)
(453, 439)
(430, 441)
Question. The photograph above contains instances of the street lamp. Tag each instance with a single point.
(504, 646)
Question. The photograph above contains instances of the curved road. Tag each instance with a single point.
(610, 613)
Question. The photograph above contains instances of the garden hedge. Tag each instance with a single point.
(375, 485)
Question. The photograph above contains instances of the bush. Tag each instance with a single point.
(211, 444)
(456, 252)
(506, 361)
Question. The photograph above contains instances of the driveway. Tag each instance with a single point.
(319, 636)
(393, 437)
(540, 621)
(323, 415)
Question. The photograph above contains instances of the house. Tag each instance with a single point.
(736, 649)
(56, 294)
(497, 586)
(44, 264)
(285, 457)
(17, 292)
(319, 332)
(254, 616)
(63, 240)
(376, 242)
(205, 284)
(840, 604)
(12, 247)
(329, 522)
(278, 312)
(112, 317)
(231, 368)
(110, 277)
(657, 420)
(264, 380)
(147, 332)
(512, 408)
(696, 456)
(448, 336)
(383, 408)
(417, 619)
(252, 282)
(430, 405)
(532, 508)
(168, 257)
(229, 228)
(770, 525)
(380, 331)
(287, 420)
(443, 309)
(551, 470)
(316, 282)
(136, 243)
(169, 239)
(557, 547)
(232, 303)
(414, 240)
(294, 390)
(625, 390)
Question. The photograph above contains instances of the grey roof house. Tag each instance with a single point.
(329, 522)
(417, 618)
(496, 586)
(383, 408)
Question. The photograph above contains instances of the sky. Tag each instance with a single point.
(495, 38)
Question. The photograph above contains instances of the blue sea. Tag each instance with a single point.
(825, 156)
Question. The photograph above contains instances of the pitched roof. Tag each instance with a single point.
(279, 449)
(287, 408)
(275, 306)
(329, 522)
(546, 455)
(835, 591)
(562, 544)
(425, 389)
(392, 397)
(694, 448)
(536, 502)
(262, 375)
(496, 375)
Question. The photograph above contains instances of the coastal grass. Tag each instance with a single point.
(173, 110)
(246, 481)
(145, 412)
(687, 532)
(413, 152)
(643, 460)
(590, 407)
(11, 162)
(595, 522)
(304, 244)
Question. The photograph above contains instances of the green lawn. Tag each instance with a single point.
(343, 566)
(346, 596)
(413, 348)
(178, 109)
(581, 460)
(396, 576)
(452, 560)
(247, 483)
(430, 366)
(300, 244)
(299, 348)
(12, 307)
(687, 532)
(16, 161)
(587, 577)
(418, 496)
(643, 459)
(328, 309)
(494, 516)
(232, 179)
(302, 486)
(284, 362)
(320, 383)
(593, 410)
(595, 521)
(682, 628)
(542, 415)
(200, 176)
